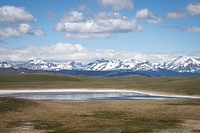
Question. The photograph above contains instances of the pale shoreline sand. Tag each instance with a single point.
(2, 92)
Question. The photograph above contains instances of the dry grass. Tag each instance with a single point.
(178, 85)
(100, 116)
(123, 116)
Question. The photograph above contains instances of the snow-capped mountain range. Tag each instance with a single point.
(180, 64)
(44, 65)
(131, 64)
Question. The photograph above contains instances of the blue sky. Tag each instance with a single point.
(84, 27)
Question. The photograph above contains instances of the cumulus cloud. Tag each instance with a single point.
(147, 15)
(76, 52)
(9, 32)
(100, 26)
(12, 14)
(14, 22)
(117, 4)
(73, 16)
(192, 29)
(18, 31)
(175, 15)
(59, 52)
(26, 29)
(193, 9)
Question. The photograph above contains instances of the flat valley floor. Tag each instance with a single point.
(136, 116)
(101, 116)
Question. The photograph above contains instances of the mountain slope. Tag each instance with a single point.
(181, 64)
(5, 65)
(131, 64)
(44, 65)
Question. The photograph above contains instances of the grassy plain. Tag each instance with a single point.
(18, 116)
(100, 116)
(179, 85)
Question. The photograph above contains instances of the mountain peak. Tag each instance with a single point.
(5, 65)
(38, 61)
(180, 64)
(102, 60)
(184, 64)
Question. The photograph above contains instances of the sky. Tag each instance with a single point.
(85, 30)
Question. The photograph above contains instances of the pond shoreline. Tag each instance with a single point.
(84, 90)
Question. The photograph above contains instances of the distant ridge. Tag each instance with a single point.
(181, 64)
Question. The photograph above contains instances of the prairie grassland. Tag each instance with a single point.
(100, 116)
(179, 85)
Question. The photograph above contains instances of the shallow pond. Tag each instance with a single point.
(86, 95)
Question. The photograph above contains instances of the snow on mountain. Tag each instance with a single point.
(44, 65)
(180, 64)
(103, 65)
(35, 65)
(131, 64)
(71, 65)
(183, 64)
(5, 65)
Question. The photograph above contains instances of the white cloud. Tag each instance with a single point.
(36, 32)
(82, 7)
(9, 32)
(26, 29)
(76, 52)
(20, 30)
(73, 16)
(12, 14)
(192, 29)
(14, 22)
(100, 26)
(175, 15)
(117, 4)
(147, 15)
(59, 51)
(193, 9)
